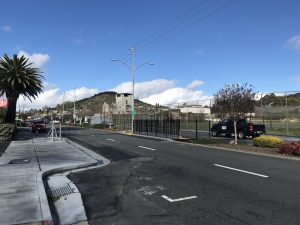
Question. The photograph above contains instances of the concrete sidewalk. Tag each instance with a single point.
(23, 198)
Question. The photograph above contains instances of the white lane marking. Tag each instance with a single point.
(110, 139)
(243, 171)
(152, 149)
(178, 199)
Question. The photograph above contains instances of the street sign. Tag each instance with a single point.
(133, 112)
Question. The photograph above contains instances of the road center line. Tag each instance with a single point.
(110, 139)
(178, 199)
(243, 171)
(152, 149)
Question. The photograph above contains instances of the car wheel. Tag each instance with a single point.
(214, 133)
(241, 134)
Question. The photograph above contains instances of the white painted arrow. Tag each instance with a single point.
(178, 199)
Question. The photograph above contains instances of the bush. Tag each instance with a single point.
(267, 141)
(290, 149)
(7, 131)
(98, 126)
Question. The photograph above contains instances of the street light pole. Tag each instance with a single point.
(132, 71)
(132, 68)
(74, 109)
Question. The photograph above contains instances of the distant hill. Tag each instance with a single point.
(272, 99)
(94, 104)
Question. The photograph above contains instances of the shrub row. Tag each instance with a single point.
(290, 149)
(96, 126)
(7, 131)
(267, 141)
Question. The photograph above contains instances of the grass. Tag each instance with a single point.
(275, 127)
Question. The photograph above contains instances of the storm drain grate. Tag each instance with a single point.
(59, 191)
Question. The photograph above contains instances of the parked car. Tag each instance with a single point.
(38, 125)
(244, 128)
(108, 124)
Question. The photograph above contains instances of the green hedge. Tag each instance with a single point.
(267, 141)
(7, 131)
(96, 126)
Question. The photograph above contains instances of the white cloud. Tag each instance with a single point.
(78, 93)
(295, 79)
(294, 42)
(164, 92)
(53, 96)
(6, 29)
(37, 59)
(195, 84)
(144, 89)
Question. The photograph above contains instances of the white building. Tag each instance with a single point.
(123, 103)
(194, 109)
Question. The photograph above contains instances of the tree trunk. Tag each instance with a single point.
(235, 133)
(11, 110)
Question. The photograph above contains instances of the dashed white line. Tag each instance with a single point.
(178, 199)
(110, 139)
(152, 149)
(242, 171)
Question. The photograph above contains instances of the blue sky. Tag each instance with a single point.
(73, 41)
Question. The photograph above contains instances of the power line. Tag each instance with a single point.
(170, 23)
(163, 39)
(185, 20)
(176, 26)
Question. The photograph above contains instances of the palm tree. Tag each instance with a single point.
(18, 77)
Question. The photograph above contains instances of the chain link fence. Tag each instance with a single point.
(278, 111)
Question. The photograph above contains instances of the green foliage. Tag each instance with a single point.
(233, 101)
(18, 77)
(7, 131)
(293, 100)
(2, 115)
(95, 126)
(267, 141)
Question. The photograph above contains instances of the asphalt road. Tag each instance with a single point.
(159, 182)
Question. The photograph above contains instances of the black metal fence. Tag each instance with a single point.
(158, 128)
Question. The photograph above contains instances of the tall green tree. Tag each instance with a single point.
(234, 101)
(18, 77)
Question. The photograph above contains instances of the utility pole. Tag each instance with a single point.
(74, 115)
(62, 116)
(132, 68)
(132, 71)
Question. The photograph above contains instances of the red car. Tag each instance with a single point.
(38, 126)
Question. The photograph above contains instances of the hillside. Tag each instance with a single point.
(272, 99)
(94, 104)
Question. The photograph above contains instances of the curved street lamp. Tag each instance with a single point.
(132, 68)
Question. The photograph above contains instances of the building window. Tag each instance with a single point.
(126, 102)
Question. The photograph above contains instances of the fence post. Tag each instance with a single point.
(60, 131)
(196, 129)
(286, 115)
(147, 126)
(209, 132)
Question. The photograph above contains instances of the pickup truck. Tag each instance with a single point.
(38, 126)
(244, 128)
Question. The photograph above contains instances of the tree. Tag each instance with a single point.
(18, 77)
(234, 101)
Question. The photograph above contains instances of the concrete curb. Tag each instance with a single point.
(216, 147)
(46, 213)
(242, 151)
